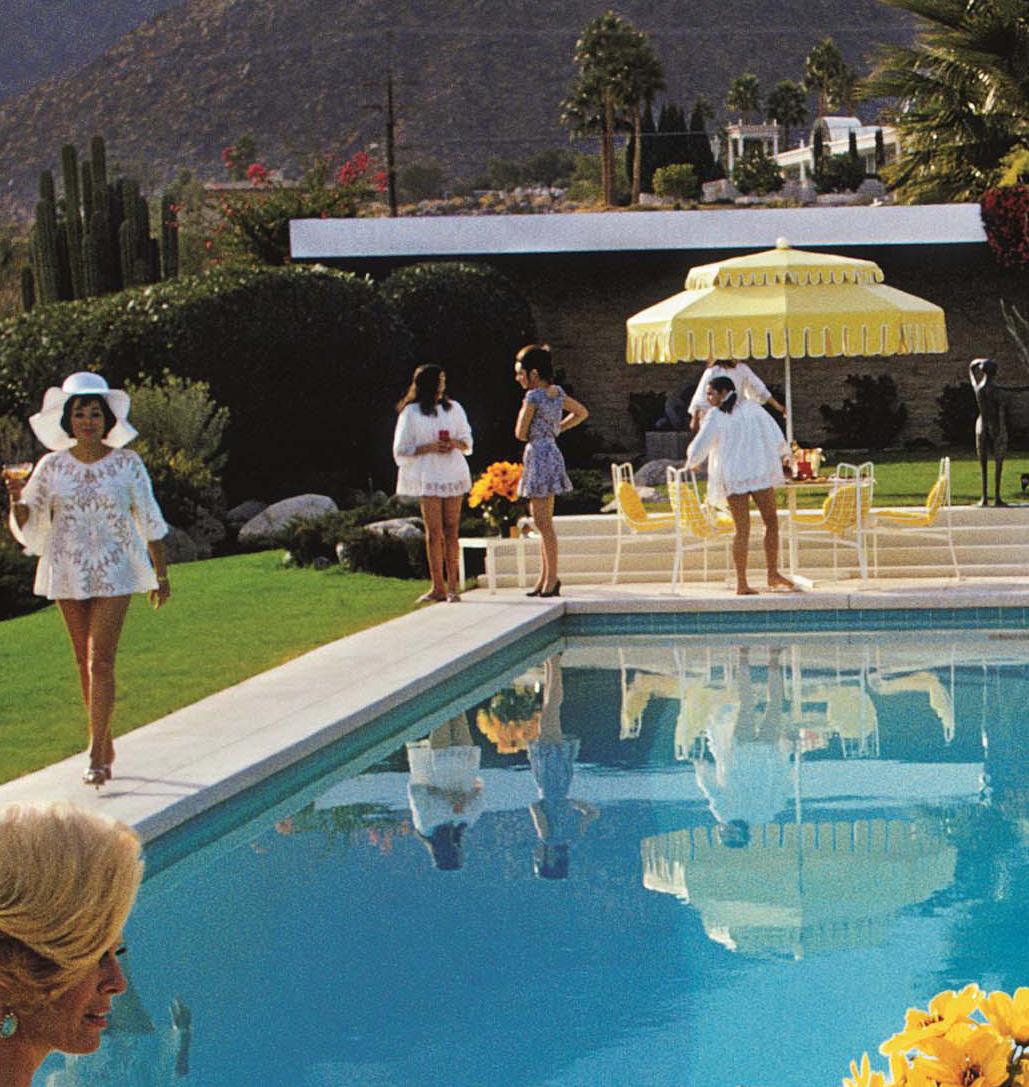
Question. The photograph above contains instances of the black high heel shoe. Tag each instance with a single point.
(538, 591)
(555, 591)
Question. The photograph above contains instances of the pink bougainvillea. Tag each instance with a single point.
(1005, 215)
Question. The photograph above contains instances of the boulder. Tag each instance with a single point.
(654, 472)
(179, 547)
(722, 189)
(404, 528)
(245, 511)
(266, 528)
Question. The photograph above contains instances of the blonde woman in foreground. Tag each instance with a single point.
(68, 879)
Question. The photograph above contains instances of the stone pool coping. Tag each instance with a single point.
(188, 761)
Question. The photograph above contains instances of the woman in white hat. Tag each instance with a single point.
(88, 511)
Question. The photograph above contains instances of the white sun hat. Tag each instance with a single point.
(46, 423)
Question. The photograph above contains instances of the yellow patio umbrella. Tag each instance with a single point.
(785, 303)
(796, 889)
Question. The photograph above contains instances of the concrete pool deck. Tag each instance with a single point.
(192, 759)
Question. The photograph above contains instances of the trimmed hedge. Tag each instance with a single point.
(296, 354)
(471, 320)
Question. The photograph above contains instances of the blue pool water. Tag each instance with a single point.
(883, 782)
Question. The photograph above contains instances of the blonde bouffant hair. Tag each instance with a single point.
(68, 879)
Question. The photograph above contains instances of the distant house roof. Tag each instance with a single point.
(839, 128)
(601, 232)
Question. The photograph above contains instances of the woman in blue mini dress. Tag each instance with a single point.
(547, 410)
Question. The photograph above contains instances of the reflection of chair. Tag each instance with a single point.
(933, 521)
(633, 518)
(696, 525)
(845, 515)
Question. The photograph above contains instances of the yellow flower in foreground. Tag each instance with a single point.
(1009, 1015)
(902, 1074)
(945, 1010)
(969, 1056)
(863, 1076)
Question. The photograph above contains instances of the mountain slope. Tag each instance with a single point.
(474, 77)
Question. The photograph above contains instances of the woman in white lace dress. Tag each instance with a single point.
(430, 445)
(88, 511)
(744, 450)
(748, 385)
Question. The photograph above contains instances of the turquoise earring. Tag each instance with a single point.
(8, 1025)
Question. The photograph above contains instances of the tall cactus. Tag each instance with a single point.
(169, 237)
(28, 289)
(97, 238)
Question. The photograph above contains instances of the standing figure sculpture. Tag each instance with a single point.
(991, 427)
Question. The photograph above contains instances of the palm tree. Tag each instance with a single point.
(644, 79)
(744, 95)
(824, 68)
(787, 104)
(961, 93)
(603, 89)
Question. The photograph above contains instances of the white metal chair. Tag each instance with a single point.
(633, 518)
(697, 526)
(933, 521)
(845, 515)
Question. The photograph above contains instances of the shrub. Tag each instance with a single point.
(646, 408)
(588, 496)
(385, 555)
(957, 415)
(678, 181)
(757, 174)
(870, 418)
(470, 320)
(420, 180)
(839, 173)
(17, 571)
(295, 354)
(1005, 215)
(309, 538)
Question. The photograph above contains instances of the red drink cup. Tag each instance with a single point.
(444, 435)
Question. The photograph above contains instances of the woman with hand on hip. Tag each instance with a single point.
(431, 445)
(744, 449)
(547, 411)
(88, 511)
(748, 385)
(69, 880)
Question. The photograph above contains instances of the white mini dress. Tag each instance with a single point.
(748, 386)
(436, 475)
(90, 525)
(444, 786)
(744, 449)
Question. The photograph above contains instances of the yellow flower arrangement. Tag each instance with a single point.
(508, 737)
(496, 491)
(948, 1046)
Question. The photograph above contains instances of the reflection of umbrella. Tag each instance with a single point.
(836, 885)
(785, 303)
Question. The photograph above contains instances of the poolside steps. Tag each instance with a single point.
(989, 543)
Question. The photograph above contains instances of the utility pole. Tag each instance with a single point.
(391, 165)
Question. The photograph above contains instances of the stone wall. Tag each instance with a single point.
(581, 303)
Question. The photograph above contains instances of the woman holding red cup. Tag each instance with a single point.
(430, 445)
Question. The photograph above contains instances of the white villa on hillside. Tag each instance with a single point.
(798, 162)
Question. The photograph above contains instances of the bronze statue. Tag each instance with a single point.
(991, 427)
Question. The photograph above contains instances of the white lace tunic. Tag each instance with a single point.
(439, 475)
(90, 524)
(748, 386)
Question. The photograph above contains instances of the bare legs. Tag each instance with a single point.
(442, 518)
(542, 511)
(94, 627)
(739, 507)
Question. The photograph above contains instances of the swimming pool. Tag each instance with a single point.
(735, 859)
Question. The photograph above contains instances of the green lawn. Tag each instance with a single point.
(228, 619)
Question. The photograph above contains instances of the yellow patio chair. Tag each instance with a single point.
(633, 518)
(845, 515)
(932, 521)
(697, 526)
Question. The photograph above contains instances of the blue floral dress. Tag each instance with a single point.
(543, 467)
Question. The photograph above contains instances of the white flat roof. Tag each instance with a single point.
(598, 232)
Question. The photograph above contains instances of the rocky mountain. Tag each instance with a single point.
(58, 36)
(474, 78)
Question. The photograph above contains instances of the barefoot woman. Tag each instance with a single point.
(744, 449)
(89, 512)
(547, 411)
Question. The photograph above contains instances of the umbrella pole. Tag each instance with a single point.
(791, 496)
(789, 399)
